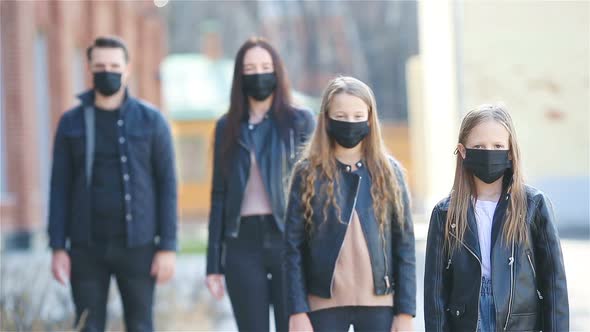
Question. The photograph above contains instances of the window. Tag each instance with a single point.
(43, 116)
(78, 72)
(3, 179)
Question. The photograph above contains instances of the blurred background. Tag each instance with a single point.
(428, 63)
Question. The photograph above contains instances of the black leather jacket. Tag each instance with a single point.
(275, 161)
(528, 281)
(310, 257)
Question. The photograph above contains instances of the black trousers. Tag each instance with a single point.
(254, 275)
(92, 268)
(369, 319)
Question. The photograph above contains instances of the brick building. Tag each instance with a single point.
(42, 68)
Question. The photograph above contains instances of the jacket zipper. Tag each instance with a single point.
(511, 263)
(292, 144)
(528, 255)
(480, 268)
(386, 277)
(349, 221)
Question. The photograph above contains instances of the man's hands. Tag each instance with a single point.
(163, 266)
(60, 266)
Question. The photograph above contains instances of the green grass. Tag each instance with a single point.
(193, 246)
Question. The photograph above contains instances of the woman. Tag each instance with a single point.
(256, 146)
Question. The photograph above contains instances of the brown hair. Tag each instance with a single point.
(108, 42)
(237, 112)
(464, 186)
(320, 160)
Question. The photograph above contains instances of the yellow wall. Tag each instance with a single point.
(194, 148)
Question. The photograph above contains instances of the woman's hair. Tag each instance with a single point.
(320, 161)
(238, 108)
(464, 185)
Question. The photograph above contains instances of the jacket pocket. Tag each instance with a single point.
(523, 322)
(456, 310)
(139, 144)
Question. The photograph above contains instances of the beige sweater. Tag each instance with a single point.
(353, 275)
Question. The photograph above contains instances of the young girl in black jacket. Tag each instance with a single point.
(350, 255)
(493, 258)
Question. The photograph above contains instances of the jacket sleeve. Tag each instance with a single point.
(435, 319)
(404, 252)
(295, 238)
(550, 269)
(165, 175)
(216, 225)
(60, 189)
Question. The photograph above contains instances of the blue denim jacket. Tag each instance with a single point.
(147, 173)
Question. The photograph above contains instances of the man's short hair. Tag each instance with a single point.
(108, 42)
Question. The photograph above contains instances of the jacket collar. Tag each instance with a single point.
(87, 98)
(348, 168)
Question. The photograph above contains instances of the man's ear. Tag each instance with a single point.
(127, 73)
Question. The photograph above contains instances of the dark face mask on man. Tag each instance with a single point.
(259, 86)
(107, 83)
(487, 165)
(347, 134)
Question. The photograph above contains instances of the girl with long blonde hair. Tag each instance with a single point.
(349, 233)
(493, 258)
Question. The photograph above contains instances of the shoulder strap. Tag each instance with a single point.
(89, 124)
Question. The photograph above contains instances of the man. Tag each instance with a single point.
(112, 208)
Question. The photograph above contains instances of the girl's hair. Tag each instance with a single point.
(321, 161)
(463, 191)
(238, 111)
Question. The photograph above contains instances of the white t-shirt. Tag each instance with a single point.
(484, 215)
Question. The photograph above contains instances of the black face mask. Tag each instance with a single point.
(347, 134)
(259, 86)
(487, 165)
(107, 83)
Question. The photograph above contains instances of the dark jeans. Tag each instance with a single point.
(92, 268)
(370, 319)
(254, 276)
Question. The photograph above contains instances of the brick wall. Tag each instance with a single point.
(68, 28)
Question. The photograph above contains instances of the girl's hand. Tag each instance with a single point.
(215, 284)
(300, 323)
(402, 323)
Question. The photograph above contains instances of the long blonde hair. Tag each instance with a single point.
(320, 160)
(514, 229)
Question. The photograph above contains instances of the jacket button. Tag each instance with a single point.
(129, 217)
(126, 177)
(121, 140)
(124, 159)
(120, 123)
(348, 168)
(127, 197)
(457, 312)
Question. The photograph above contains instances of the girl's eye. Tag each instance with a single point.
(477, 147)
(499, 146)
